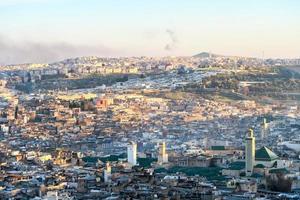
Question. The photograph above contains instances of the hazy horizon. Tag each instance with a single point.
(42, 31)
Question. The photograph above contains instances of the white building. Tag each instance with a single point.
(250, 153)
(132, 153)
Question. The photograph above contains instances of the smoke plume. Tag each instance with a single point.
(173, 40)
(32, 52)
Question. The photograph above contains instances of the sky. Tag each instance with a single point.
(52, 30)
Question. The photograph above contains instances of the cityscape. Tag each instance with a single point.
(143, 123)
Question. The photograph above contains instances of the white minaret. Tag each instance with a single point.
(107, 173)
(162, 155)
(250, 152)
(264, 128)
(132, 153)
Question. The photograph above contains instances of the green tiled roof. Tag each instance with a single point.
(259, 166)
(238, 165)
(218, 148)
(279, 170)
(265, 154)
(256, 175)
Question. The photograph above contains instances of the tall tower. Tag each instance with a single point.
(132, 153)
(264, 128)
(107, 173)
(250, 152)
(162, 155)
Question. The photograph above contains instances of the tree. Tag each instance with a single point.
(279, 182)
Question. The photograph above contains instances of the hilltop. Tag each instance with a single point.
(206, 55)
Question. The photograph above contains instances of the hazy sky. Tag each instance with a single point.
(49, 30)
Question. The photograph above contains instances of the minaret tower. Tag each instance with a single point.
(132, 153)
(162, 155)
(264, 128)
(250, 152)
(107, 173)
